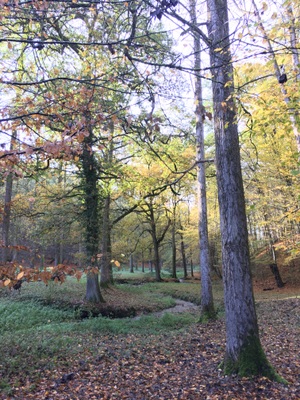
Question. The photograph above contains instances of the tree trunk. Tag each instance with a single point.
(155, 241)
(183, 256)
(244, 353)
(131, 266)
(6, 217)
(174, 275)
(294, 41)
(91, 198)
(156, 259)
(207, 303)
(276, 273)
(7, 209)
(93, 293)
(143, 262)
(106, 266)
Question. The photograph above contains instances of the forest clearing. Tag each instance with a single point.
(51, 350)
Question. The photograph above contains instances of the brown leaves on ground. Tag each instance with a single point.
(180, 364)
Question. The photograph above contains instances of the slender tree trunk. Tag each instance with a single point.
(174, 275)
(207, 303)
(59, 247)
(7, 209)
(131, 266)
(183, 256)
(156, 258)
(106, 266)
(143, 262)
(6, 217)
(293, 42)
(192, 268)
(244, 353)
(155, 242)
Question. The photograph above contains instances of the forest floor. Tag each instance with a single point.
(161, 355)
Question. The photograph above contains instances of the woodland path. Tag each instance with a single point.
(181, 306)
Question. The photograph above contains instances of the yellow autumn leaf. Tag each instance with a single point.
(20, 275)
(7, 282)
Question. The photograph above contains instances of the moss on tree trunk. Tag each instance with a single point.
(251, 361)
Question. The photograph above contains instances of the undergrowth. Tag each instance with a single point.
(40, 327)
(36, 337)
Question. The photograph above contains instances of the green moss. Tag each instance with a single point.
(252, 361)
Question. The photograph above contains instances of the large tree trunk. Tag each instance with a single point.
(244, 353)
(93, 293)
(91, 198)
(207, 302)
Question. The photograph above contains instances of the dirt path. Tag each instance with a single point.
(181, 306)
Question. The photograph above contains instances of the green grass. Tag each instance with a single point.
(34, 338)
(72, 291)
(41, 329)
(16, 316)
(40, 326)
(138, 275)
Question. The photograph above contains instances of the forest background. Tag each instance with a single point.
(99, 118)
(80, 90)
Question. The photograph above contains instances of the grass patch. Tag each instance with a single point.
(40, 327)
(184, 291)
(35, 338)
(43, 337)
(16, 316)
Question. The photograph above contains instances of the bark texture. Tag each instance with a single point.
(6, 218)
(106, 266)
(93, 293)
(91, 199)
(207, 303)
(7, 209)
(244, 354)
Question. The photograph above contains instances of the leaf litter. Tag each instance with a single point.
(181, 364)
